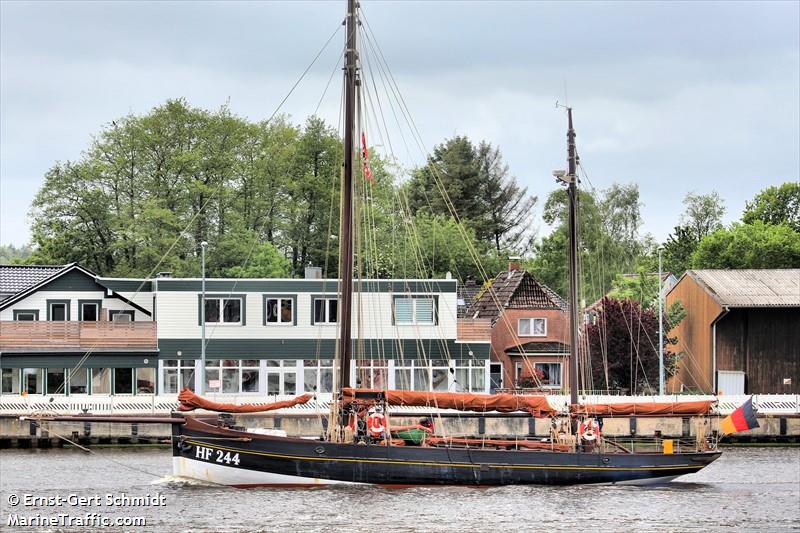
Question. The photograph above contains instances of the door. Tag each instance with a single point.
(730, 382)
(495, 377)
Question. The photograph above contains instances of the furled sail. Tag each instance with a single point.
(462, 401)
(697, 408)
(189, 401)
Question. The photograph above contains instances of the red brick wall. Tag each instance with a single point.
(504, 335)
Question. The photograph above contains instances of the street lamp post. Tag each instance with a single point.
(660, 329)
(202, 386)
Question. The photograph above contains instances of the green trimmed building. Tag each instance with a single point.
(66, 331)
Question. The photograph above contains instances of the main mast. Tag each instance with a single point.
(572, 192)
(346, 221)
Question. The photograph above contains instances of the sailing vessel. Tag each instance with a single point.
(358, 447)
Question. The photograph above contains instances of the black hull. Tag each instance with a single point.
(409, 465)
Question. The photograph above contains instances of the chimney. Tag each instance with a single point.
(162, 275)
(313, 272)
(513, 263)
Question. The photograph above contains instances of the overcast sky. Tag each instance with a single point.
(675, 96)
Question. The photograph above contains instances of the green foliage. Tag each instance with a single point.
(678, 250)
(702, 214)
(641, 287)
(265, 261)
(756, 245)
(610, 243)
(775, 205)
(10, 254)
(480, 190)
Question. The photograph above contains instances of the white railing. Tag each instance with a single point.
(766, 404)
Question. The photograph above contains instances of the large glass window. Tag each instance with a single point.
(123, 381)
(318, 375)
(10, 381)
(550, 374)
(79, 381)
(470, 376)
(326, 310)
(178, 374)
(412, 375)
(281, 377)
(279, 310)
(232, 376)
(33, 380)
(372, 374)
(223, 310)
(532, 327)
(145, 380)
(414, 310)
(101, 381)
(439, 375)
(55, 381)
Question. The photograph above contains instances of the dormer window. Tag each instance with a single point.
(532, 327)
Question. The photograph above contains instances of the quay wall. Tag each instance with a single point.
(20, 433)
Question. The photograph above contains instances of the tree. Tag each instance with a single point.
(775, 205)
(10, 254)
(756, 245)
(608, 226)
(623, 341)
(263, 261)
(678, 249)
(702, 213)
(474, 182)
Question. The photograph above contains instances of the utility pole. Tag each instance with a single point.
(201, 388)
(660, 329)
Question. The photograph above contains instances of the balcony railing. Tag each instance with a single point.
(474, 329)
(33, 335)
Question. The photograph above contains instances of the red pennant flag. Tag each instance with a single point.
(365, 158)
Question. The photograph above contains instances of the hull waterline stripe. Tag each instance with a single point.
(429, 463)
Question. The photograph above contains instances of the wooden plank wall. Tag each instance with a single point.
(694, 337)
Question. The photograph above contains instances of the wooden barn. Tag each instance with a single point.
(741, 334)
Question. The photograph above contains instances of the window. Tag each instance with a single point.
(79, 381)
(33, 380)
(10, 381)
(178, 374)
(371, 374)
(26, 315)
(412, 375)
(123, 381)
(318, 375)
(278, 310)
(88, 311)
(326, 310)
(517, 371)
(223, 311)
(232, 376)
(101, 381)
(470, 376)
(281, 377)
(120, 316)
(414, 310)
(56, 381)
(58, 311)
(532, 327)
(551, 374)
(439, 375)
(145, 381)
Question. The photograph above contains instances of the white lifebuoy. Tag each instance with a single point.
(589, 430)
(376, 424)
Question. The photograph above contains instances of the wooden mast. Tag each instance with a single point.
(346, 220)
(572, 191)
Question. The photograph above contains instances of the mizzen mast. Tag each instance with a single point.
(572, 192)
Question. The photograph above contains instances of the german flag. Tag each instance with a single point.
(742, 419)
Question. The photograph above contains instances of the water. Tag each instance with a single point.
(747, 489)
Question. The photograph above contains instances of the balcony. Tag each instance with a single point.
(474, 329)
(24, 336)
